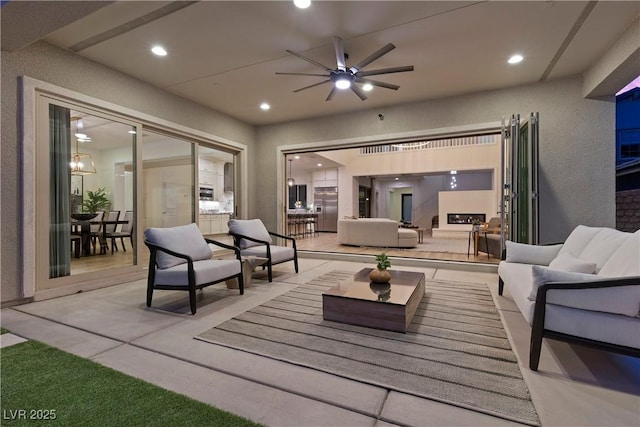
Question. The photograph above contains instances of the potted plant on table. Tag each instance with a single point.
(95, 202)
(380, 273)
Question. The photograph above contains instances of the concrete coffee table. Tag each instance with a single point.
(382, 306)
(249, 264)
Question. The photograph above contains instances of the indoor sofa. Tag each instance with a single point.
(380, 232)
(586, 290)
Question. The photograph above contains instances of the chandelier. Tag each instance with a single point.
(290, 181)
(81, 163)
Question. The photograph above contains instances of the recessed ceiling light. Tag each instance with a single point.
(81, 135)
(132, 132)
(397, 179)
(367, 87)
(515, 59)
(159, 50)
(302, 4)
(296, 157)
(319, 164)
(453, 172)
(264, 106)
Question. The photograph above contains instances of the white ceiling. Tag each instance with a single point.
(224, 55)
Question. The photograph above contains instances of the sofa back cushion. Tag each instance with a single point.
(625, 260)
(567, 262)
(579, 238)
(184, 239)
(250, 228)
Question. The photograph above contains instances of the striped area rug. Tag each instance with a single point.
(455, 351)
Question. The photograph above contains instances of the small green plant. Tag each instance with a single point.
(96, 201)
(383, 261)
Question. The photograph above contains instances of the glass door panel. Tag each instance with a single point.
(91, 203)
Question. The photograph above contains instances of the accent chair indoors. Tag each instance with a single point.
(489, 238)
(181, 260)
(253, 239)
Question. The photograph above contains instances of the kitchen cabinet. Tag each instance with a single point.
(206, 172)
(213, 223)
(325, 178)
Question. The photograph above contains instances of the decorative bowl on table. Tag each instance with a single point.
(83, 216)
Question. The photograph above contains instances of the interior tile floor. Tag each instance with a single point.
(575, 386)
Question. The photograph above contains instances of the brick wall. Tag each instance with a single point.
(628, 210)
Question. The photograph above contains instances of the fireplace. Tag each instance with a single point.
(465, 218)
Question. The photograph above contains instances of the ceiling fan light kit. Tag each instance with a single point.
(344, 77)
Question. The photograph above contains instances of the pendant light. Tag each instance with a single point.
(290, 181)
(81, 163)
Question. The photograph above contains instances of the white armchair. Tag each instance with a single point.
(253, 239)
(181, 260)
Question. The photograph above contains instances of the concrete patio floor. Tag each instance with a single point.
(575, 386)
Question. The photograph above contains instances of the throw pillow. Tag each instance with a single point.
(623, 300)
(531, 254)
(567, 262)
(184, 239)
(251, 228)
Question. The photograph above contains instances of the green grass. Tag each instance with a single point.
(3, 330)
(83, 393)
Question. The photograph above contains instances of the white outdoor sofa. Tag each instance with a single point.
(586, 290)
(380, 232)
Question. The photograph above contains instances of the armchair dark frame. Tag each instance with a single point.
(192, 287)
(270, 263)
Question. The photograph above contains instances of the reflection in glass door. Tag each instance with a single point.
(168, 180)
(91, 204)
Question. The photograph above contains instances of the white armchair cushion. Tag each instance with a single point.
(567, 262)
(278, 253)
(531, 254)
(206, 271)
(251, 228)
(184, 239)
(618, 300)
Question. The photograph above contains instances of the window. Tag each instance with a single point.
(298, 197)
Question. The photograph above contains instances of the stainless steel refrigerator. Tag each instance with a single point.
(325, 203)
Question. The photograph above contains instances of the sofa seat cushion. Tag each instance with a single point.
(531, 254)
(206, 271)
(594, 325)
(184, 239)
(623, 300)
(278, 253)
(518, 279)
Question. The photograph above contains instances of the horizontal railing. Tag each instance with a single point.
(431, 144)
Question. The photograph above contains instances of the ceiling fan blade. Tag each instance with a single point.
(324, 67)
(375, 55)
(310, 86)
(331, 93)
(359, 92)
(302, 74)
(384, 71)
(377, 83)
(338, 46)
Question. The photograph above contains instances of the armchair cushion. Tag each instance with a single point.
(185, 239)
(250, 228)
(531, 254)
(206, 271)
(623, 300)
(278, 253)
(567, 262)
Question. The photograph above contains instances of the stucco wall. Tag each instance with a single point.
(50, 64)
(577, 151)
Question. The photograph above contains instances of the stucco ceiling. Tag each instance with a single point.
(224, 55)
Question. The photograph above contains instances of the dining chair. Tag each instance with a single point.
(110, 229)
(125, 231)
(96, 229)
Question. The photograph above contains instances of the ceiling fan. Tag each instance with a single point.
(344, 77)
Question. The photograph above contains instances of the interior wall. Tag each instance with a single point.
(577, 145)
(45, 62)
